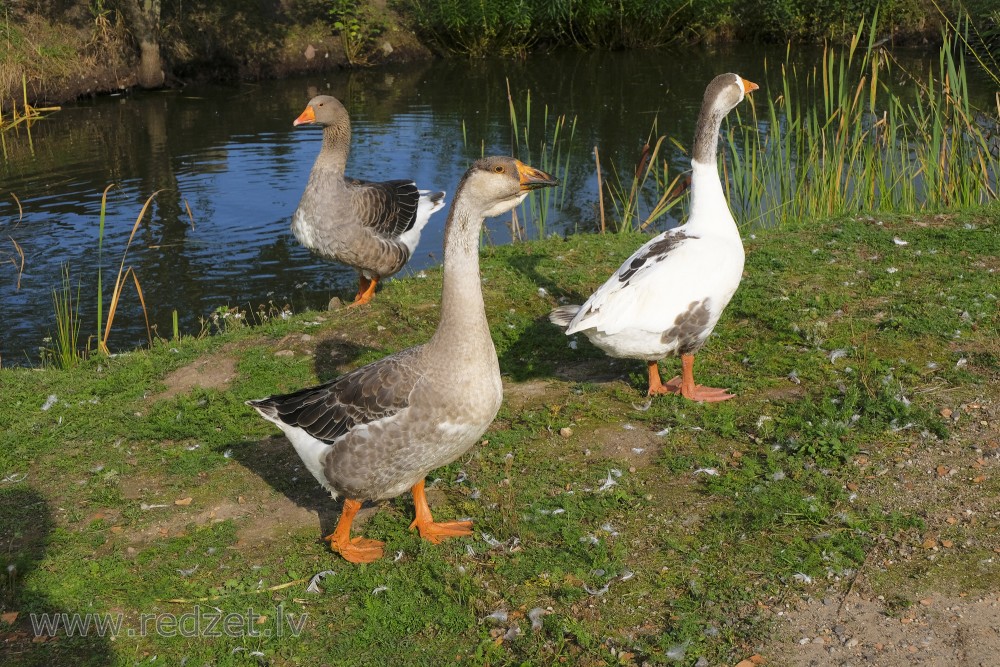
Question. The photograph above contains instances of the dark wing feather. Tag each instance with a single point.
(388, 208)
(655, 252)
(367, 394)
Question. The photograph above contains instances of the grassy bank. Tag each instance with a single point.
(859, 458)
(480, 29)
(70, 49)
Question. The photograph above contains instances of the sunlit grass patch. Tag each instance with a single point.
(585, 550)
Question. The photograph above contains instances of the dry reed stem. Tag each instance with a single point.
(120, 281)
(20, 269)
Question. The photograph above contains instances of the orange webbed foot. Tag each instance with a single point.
(359, 300)
(435, 532)
(660, 390)
(699, 393)
(358, 549)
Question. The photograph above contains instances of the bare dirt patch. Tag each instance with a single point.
(938, 630)
(928, 596)
(517, 395)
(212, 372)
(627, 442)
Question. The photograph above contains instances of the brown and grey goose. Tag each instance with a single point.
(374, 227)
(668, 296)
(379, 430)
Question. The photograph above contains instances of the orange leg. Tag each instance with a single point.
(358, 550)
(429, 530)
(685, 386)
(366, 290)
(655, 386)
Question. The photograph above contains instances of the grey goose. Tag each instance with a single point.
(373, 227)
(378, 430)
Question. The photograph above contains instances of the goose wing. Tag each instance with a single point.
(649, 289)
(388, 208)
(368, 394)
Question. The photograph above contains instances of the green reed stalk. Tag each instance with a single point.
(100, 261)
(836, 139)
(650, 184)
(553, 156)
(66, 351)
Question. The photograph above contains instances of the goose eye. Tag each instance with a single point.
(498, 169)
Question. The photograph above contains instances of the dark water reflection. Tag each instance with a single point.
(232, 156)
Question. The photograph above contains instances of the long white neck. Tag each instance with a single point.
(709, 208)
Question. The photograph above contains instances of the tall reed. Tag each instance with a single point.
(649, 184)
(17, 259)
(835, 139)
(551, 155)
(120, 280)
(66, 352)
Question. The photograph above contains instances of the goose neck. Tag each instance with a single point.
(706, 138)
(463, 312)
(706, 187)
(336, 147)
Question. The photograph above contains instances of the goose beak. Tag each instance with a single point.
(532, 179)
(306, 117)
(749, 86)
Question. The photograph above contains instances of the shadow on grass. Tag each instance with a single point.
(336, 356)
(274, 460)
(542, 349)
(25, 528)
(527, 265)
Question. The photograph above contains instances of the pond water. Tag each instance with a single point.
(230, 155)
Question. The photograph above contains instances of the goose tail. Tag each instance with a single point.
(563, 315)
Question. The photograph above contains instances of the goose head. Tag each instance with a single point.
(721, 96)
(726, 91)
(495, 185)
(325, 111)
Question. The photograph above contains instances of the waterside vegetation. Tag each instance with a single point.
(67, 49)
(838, 139)
(835, 138)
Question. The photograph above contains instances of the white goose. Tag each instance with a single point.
(374, 227)
(667, 297)
(378, 431)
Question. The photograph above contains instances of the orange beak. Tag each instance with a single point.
(306, 117)
(749, 86)
(532, 179)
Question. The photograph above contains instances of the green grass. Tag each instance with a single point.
(692, 561)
